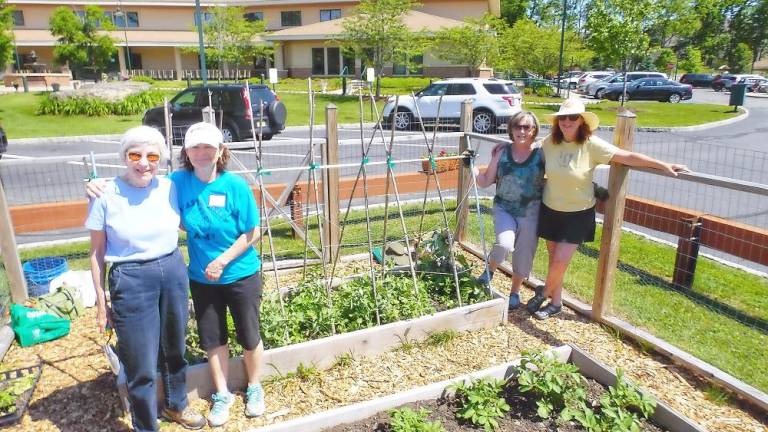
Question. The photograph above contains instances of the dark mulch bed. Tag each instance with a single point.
(521, 418)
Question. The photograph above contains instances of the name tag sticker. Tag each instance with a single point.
(217, 200)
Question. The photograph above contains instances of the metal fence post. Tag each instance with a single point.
(9, 251)
(687, 253)
(465, 179)
(331, 184)
(623, 137)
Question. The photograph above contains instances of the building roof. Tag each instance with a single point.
(414, 20)
(146, 38)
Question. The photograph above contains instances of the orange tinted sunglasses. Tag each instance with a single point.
(151, 157)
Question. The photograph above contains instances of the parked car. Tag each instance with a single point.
(591, 76)
(493, 102)
(752, 82)
(229, 102)
(3, 142)
(722, 82)
(571, 79)
(697, 79)
(596, 88)
(660, 89)
(760, 86)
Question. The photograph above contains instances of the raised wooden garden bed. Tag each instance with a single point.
(663, 415)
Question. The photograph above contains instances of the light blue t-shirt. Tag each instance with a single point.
(214, 216)
(141, 223)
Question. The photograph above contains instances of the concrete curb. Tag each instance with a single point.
(59, 140)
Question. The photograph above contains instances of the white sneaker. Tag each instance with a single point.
(254, 405)
(219, 414)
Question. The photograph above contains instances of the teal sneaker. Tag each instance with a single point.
(254, 400)
(219, 414)
(514, 302)
(485, 278)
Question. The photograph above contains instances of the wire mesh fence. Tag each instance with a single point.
(676, 275)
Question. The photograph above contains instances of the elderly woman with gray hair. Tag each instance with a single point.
(134, 227)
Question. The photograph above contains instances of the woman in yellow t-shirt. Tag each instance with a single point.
(567, 215)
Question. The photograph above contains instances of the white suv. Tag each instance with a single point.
(493, 102)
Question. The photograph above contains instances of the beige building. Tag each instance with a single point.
(160, 36)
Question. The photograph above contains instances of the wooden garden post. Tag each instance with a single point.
(623, 137)
(465, 176)
(9, 252)
(331, 184)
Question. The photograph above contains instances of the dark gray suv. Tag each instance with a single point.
(229, 102)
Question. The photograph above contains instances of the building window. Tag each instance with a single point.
(18, 18)
(120, 17)
(254, 16)
(290, 18)
(318, 61)
(329, 14)
(349, 63)
(334, 61)
(414, 66)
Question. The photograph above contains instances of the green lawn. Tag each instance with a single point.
(18, 118)
(649, 114)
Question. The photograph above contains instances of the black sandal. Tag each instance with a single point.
(548, 311)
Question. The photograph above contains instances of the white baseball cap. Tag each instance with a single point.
(203, 133)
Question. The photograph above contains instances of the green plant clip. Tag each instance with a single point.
(365, 161)
(432, 161)
(313, 166)
(390, 162)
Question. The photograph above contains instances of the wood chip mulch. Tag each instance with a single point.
(77, 392)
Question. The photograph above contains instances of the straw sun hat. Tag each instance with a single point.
(575, 106)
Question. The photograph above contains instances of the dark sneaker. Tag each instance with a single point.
(186, 418)
(514, 302)
(485, 278)
(548, 311)
(535, 302)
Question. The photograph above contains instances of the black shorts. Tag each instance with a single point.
(242, 297)
(567, 227)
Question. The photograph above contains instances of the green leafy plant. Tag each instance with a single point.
(559, 386)
(482, 402)
(12, 390)
(407, 420)
(96, 107)
(441, 337)
(623, 406)
(344, 360)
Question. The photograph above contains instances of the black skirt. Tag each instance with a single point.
(567, 227)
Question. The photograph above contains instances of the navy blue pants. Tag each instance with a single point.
(149, 313)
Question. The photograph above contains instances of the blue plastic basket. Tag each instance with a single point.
(40, 271)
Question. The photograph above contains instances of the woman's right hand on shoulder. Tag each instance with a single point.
(95, 188)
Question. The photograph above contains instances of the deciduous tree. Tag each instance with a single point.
(231, 39)
(616, 30)
(376, 30)
(80, 41)
(472, 44)
(6, 35)
(527, 46)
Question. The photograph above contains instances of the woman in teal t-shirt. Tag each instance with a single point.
(219, 213)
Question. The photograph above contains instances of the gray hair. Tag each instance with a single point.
(518, 117)
(143, 136)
